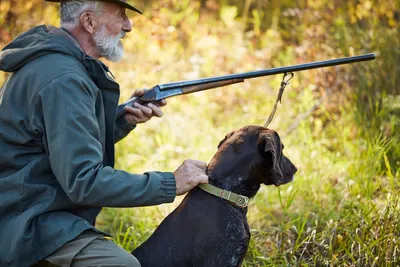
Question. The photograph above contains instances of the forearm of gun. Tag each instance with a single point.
(157, 94)
(206, 86)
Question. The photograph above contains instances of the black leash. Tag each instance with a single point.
(285, 81)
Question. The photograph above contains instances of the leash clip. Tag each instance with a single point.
(285, 81)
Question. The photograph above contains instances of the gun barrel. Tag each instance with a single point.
(268, 72)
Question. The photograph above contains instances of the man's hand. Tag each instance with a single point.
(142, 113)
(189, 175)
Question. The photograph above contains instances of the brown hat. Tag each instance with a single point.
(122, 3)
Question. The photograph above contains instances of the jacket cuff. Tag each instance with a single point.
(168, 184)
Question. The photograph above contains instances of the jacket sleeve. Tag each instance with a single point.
(72, 140)
(122, 128)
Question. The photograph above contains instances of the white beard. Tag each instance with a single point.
(110, 47)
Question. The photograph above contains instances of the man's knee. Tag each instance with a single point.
(102, 252)
(124, 258)
(129, 260)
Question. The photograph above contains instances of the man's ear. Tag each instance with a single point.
(88, 22)
(269, 146)
(226, 138)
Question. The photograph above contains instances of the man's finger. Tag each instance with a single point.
(202, 179)
(201, 164)
(146, 110)
(198, 163)
(138, 92)
(160, 103)
(134, 111)
(135, 115)
(132, 119)
(156, 110)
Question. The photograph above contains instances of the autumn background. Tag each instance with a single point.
(340, 125)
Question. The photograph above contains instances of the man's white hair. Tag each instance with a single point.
(71, 10)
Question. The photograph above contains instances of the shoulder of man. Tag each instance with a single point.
(50, 66)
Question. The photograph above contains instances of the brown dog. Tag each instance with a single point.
(205, 230)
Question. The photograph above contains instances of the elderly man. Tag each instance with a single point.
(57, 135)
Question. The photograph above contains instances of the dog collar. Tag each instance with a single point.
(238, 200)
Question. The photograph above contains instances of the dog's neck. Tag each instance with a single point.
(237, 185)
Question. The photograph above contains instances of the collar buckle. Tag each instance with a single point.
(242, 201)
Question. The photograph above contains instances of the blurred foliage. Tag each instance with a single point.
(340, 125)
(183, 40)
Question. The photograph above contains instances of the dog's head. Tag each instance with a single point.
(249, 157)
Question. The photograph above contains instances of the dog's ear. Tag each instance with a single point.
(269, 145)
(226, 138)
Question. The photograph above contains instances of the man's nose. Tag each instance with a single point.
(127, 25)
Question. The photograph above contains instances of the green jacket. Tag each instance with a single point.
(57, 135)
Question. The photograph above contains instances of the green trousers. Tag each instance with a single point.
(89, 249)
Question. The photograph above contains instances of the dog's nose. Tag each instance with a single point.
(294, 169)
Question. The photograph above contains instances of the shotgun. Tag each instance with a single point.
(167, 90)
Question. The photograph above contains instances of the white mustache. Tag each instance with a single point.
(122, 35)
